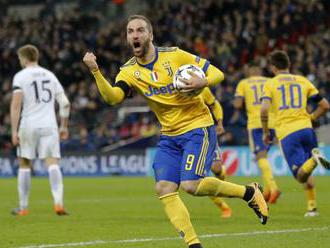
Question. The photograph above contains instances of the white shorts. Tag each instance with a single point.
(38, 143)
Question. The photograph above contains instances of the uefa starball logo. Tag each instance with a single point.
(230, 159)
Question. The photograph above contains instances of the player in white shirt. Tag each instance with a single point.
(34, 125)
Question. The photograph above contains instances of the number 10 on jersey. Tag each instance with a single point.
(291, 96)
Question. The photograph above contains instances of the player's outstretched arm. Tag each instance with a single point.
(111, 95)
(322, 108)
(15, 112)
(64, 104)
(218, 115)
(214, 76)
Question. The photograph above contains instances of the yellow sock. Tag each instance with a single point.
(309, 166)
(266, 174)
(214, 187)
(179, 216)
(219, 202)
(311, 198)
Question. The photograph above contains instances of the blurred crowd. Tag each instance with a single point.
(229, 33)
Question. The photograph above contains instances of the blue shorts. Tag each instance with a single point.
(185, 157)
(255, 140)
(297, 148)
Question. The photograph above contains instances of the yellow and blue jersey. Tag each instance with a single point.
(289, 94)
(251, 90)
(176, 113)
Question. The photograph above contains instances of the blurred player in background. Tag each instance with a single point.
(34, 126)
(218, 168)
(287, 95)
(186, 147)
(248, 93)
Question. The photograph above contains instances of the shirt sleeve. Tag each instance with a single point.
(188, 58)
(124, 82)
(240, 89)
(17, 83)
(311, 89)
(58, 86)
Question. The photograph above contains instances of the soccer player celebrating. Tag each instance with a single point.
(186, 146)
(287, 95)
(217, 167)
(248, 92)
(34, 126)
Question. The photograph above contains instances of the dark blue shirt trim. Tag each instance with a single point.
(316, 98)
(206, 66)
(150, 66)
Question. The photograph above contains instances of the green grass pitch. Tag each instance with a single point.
(125, 212)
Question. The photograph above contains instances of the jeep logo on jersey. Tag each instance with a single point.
(160, 91)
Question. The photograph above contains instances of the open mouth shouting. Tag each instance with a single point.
(137, 47)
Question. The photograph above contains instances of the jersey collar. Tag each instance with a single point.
(150, 65)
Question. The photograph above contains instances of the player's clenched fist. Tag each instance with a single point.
(90, 60)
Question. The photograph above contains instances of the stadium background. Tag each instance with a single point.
(112, 211)
(244, 31)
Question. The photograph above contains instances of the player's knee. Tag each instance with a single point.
(261, 154)
(25, 163)
(164, 188)
(218, 170)
(189, 186)
(216, 167)
(51, 161)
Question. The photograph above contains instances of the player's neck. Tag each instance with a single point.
(31, 64)
(282, 72)
(150, 55)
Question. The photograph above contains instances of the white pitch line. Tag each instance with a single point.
(205, 236)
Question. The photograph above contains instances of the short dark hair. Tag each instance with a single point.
(141, 17)
(279, 59)
(29, 52)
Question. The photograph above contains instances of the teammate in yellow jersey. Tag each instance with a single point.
(248, 92)
(187, 143)
(287, 94)
(217, 167)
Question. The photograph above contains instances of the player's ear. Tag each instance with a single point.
(273, 69)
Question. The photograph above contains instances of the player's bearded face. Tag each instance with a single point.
(139, 37)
